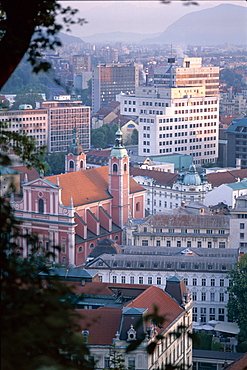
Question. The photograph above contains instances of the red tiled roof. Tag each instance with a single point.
(226, 177)
(87, 186)
(161, 177)
(102, 324)
(239, 364)
(31, 174)
(167, 306)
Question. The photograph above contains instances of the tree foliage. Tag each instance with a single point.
(36, 22)
(55, 163)
(103, 136)
(238, 300)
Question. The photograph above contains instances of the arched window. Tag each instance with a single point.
(91, 245)
(71, 164)
(125, 167)
(138, 206)
(41, 206)
(116, 237)
(81, 164)
(80, 249)
(114, 168)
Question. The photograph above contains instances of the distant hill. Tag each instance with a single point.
(68, 39)
(213, 26)
(119, 37)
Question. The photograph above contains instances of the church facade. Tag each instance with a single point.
(76, 209)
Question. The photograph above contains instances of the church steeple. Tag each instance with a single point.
(118, 182)
(75, 159)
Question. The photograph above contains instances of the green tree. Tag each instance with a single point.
(103, 136)
(55, 162)
(30, 26)
(31, 98)
(238, 300)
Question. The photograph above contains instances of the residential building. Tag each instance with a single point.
(106, 114)
(181, 227)
(113, 315)
(189, 71)
(180, 117)
(204, 271)
(81, 63)
(52, 125)
(63, 117)
(227, 193)
(237, 142)
(111, 79)
(238, 224)
(76, 209)
(31, 122)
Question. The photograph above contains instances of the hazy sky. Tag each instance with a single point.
(150, 16)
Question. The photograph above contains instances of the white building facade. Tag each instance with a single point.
(204, 272)
(181, 119)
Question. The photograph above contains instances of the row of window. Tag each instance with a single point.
(145, 243)
(204, 297)
(196, 103)
(212, 314)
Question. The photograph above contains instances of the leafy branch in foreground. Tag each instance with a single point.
(30, 26)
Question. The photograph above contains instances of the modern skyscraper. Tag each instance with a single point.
(111, 79)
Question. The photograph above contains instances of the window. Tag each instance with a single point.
(222, 244)
(194, 314)
(203, 314)
(203, 282)
(145, 243)
(158, 243)
(140, 279)
(168, 243)
(158, 280)
(199, 244)
(179, 243)
(125, 167)
(194, 296)
(209, 244)
(132, 280)
(107, 363)
(41, 206)
(138, 206)
(212, 314)
(222, 297)
(131, 363)
(188, 244)
(80, 249)
(114, 279)
(114, 167)
(194, 282)
(71, 165)
(203, 296)
(221, 316)
(222, 283)
(212, 282)
(241, 225)
(150, 280)
(123, 279)
(241, 235)
(212, 297)
(186, 281)
(171, 231)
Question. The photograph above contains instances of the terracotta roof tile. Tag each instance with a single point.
(161, 177)
(87, 186)
(166, 304)
(102, 324)
(31, 174)
(226, 177)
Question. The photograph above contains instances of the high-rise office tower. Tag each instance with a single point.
(110, 79)
(176, 118)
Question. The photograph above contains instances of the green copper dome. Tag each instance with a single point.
(192, 177)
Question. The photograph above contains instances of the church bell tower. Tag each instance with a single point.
(75, 159)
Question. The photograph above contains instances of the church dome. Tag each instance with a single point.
(118, 149)
(192, 177)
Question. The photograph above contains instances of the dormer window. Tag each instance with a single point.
(131, 333)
